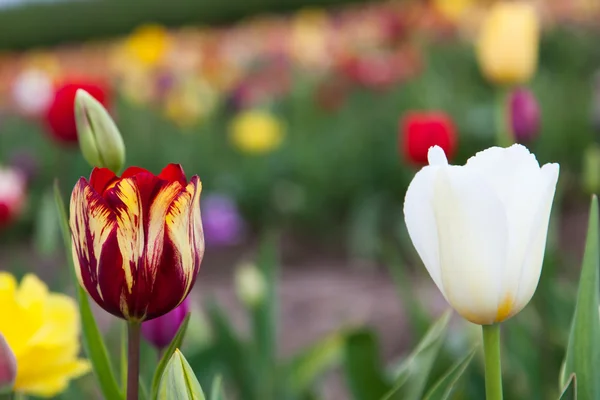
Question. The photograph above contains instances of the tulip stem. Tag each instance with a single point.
(133, 359)
(493, 370)
(503, 134)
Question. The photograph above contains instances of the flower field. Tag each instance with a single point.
(446, 149)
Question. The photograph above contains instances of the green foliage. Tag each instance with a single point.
(570, 390)
(444, 387)
(583, 351)
(178, 381)
(167, 355)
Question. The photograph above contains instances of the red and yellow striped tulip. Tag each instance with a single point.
(137, 239)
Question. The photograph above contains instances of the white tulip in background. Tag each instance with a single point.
(33, 91)
(481, 228)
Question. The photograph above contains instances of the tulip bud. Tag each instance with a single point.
(8, 367)
(507, 49)
(524, 115)
(161, 331)
(99, 138)
(250, 285)
(178, 380)
(591, 169)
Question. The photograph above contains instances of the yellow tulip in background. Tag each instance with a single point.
(256, 132)
(507, 47)
(42, 330)
(481, 229)
(148, 44)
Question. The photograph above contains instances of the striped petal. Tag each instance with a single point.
(183, 250)
(92, 224)
(140, 204)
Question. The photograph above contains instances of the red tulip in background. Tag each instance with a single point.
(13, 190)
(422, 130)
(60, 117)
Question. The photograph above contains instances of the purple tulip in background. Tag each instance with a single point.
(221, 220)
(161, 331)
(524, 115)
(26, 162)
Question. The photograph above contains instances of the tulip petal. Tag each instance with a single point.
(92, 224)
(473, 239)
(420, 221)
(173, 173)
(518, 181)
(101, 178)
(184, 228)
(536, 243)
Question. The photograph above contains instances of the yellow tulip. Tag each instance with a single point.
(507, 49)
(42, 330)
(256, 132)
(149, 44)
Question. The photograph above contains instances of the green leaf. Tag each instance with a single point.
(92, 339)
(363, 366)
(216, 392)
(46, 237)
(570, 390)
(178, 381)
(445, 385)
(312, 362)
(264, 317)
(414, 371)
(583, 350)
(167, 355)
(233, 353)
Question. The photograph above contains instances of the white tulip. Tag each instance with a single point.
(481, 228)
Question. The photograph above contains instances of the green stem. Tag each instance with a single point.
(133, 360)
(504, 136)
(493, 370)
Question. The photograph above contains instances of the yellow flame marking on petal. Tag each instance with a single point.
(181, 221)
(156, 226)
(505, 308)
(130, 228)
(85, 207)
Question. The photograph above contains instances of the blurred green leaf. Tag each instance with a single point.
(92, 340)
(216, 391)
(363, 366)
(46, 237)
(178, 381)
(583, 351)
(166, 357)
(569, 392)
(312, 362)
(264, 316)
(442, 390)
(233, 353)
(414, 371)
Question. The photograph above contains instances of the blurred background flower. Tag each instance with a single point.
(160, 331)
(42, 330)
(421, 130)
(256, 132)
(221, 220)
(60, 117)
(13, 189)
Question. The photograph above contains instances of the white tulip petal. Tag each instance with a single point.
(536, 244)
(436, 156)
(517, 179)
(420, 221)
(473, 240)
